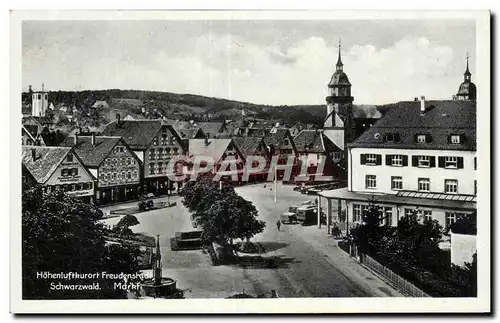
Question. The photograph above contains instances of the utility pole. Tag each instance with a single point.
(275, 184)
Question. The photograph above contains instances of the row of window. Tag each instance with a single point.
(124, 161)
(162, 153)
(425, 138)
(450, 162)
(423, 215)
(161, 168)
(69, 172)
(164, 140)
(386, 211)
(71, 187)
(119, 176)
(424, 184)
(426, 215)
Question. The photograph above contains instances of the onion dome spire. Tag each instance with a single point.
(339, 60)
(467, 74)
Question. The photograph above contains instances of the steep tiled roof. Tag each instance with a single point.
(440, 120)
(214, 148)
(33, 130)
(92, 155)
(46, 162)
(277, 137)
(233, 128)
(211, 128)
(247, 145)
(190, 133)
(309, 141)
(256, 132)
(30, 121)
(138, 134)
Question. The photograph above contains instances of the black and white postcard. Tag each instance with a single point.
(250, 161)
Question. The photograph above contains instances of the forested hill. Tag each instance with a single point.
(183, 106)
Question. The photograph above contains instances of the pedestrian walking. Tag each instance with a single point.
(278, 225)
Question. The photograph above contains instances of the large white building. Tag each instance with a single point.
(420, 156)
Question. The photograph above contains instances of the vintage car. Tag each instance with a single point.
(308, 215)
(288, 217)
(294, 208)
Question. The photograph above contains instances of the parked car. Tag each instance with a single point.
(288, 217)
(308, 214)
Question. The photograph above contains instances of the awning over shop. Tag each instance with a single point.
(444, 201)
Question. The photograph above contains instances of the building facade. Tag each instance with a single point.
(165, 145)
(155, 143)
(113, 163)
(421, 157)
(59, 168)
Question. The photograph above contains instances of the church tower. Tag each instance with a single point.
(467, 90)
(339, 123)
(40, 103)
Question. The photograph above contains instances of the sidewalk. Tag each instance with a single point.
(116, 206)
(318, 239)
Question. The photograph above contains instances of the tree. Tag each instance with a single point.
(195, 195)
(465, 224)
(61, 234)
(123, 226)
(223, 214)
(367, 234)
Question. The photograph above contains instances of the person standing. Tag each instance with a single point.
(278, 225)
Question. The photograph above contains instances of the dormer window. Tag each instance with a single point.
(391, 136)
(455, 139)
(421, 139)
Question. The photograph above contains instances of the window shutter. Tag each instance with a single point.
(363, 159)
(460, 162)
(405, 160)
(415, 138)
(397, 138)
(428, 138)
(441, 162)
(388, 159)
(433, 161)
(449, 139)
(379, 160)
(414, 161)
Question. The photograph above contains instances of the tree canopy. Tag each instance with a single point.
(223, 214)
(465, 224)
(61, 234)
(412, 250)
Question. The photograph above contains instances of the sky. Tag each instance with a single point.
(273, 62)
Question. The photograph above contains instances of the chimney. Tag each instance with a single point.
(422, 104)
(92, 139)
(33, 154)
(76, 139)
(118, 118)
(206, 141)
